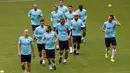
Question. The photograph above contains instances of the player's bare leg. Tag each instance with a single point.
(23, 67)
(66, 56)
(54, 64)
(29, 67)
(107, 52)
(70, 45)
(43, 57)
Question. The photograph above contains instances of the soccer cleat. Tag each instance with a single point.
(54, 67)
(64, 62)
(51, 70)
(112, 60)
(106, 55)
(60, 60)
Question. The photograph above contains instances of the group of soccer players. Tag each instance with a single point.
(69, 29)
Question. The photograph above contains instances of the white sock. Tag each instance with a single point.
(24, 71)
(71, 50)
(65, 60)
(43, 61)
(82, 37)
(57, 46)
(50, 67)
(77, 51)
(113, 53)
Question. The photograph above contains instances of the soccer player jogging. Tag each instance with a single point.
(63, 36)
(77, 27)
(35, 15)
(83, 16)
(69, 16)
(109, 27)
(25, 45)
(62, 8)
(39, 31)
(50, 38)
(55, 18)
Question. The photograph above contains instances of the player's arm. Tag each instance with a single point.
(70, 32)
(103, 28)
(71, 26)
(51, 17)
(56, 38)
(85, 16)
(36, 33)
(29, 15)
(81, 25)
(65, 16)
(41, 14)
(32, 47)
(56, 29)
(118, 23)
(19, 47)
(66, 10)
(43, 39)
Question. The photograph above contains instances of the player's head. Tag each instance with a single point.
(76, 16)
(62, 21)
(80, 7)
(61, 2)
(35, 6)
(48, 28)
(41, 21)
(70, 8)
(55, 8)
(26, 32)
(110, 18)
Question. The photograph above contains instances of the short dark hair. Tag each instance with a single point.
(70, 6)
(42, 20)
(80, 6)
(62, 19)
(112, 16)
(49, 27)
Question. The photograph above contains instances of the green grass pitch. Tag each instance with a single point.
(14, 19)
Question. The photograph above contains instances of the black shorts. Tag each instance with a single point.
(50, 53)
(41, 47)
(77, 39)
(109, 41)
(34, 27)
(26, 58)
(64, 45)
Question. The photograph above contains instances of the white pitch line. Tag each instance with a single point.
(15, 1)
